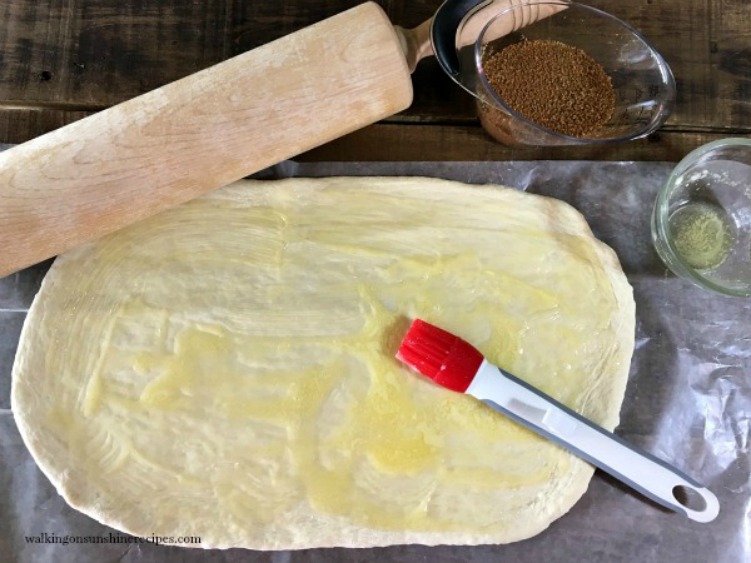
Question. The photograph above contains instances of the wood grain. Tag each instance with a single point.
(199, 133)
(65, 59)
(433, 143)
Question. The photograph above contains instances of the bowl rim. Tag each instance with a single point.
(665, 70)
(660, 217)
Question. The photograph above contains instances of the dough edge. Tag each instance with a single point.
(351, 536)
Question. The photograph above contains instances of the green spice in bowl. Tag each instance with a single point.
(701, 223)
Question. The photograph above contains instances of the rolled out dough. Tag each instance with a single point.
(226, 369)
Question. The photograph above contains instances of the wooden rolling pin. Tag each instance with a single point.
(199, 133)
(205, 131)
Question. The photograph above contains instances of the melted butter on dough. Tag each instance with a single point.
(234, 374)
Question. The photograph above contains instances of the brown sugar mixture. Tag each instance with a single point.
(552, 84)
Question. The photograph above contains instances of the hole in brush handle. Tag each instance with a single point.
(699, 503)
(689, 497)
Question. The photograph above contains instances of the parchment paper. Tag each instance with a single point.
(688, 401)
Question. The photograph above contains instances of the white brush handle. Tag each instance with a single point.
(544, 415)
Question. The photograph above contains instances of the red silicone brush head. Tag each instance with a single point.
(446, 359)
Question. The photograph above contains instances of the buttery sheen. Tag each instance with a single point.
(227, 368)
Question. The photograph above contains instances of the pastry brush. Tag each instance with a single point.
(457, 365)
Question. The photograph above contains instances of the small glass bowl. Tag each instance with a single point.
(642, 80)
(701, 222)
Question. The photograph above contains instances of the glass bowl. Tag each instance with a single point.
(642, 80)
(701, 222)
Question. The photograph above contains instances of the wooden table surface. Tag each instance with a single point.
(61, 60)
